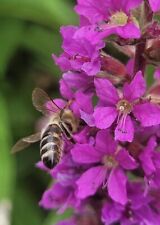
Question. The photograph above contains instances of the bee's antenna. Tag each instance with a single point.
(55, 103)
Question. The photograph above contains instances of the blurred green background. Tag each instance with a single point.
(29, 33)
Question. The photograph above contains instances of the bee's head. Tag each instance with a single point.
(70, 120)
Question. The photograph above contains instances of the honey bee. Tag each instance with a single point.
(62, 123)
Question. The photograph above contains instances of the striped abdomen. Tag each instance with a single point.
(51, 145)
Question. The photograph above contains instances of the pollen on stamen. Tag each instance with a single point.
(119, 18)
(109, 161)
(124, 108)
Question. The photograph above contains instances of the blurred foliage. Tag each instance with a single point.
(29, 35)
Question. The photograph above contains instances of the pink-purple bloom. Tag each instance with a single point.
(79, 53)
(110, 161)
(114, 106)
(138, 210)
(109, 172)
(155, 5)
(111, 16)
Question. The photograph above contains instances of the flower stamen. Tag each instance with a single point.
(109, 161)
(119, 18)
(124, 108)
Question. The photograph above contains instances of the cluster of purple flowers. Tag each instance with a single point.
(111, 174)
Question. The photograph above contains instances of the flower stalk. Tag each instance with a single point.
(140, 59)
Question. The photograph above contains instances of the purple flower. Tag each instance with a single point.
(150, 162)
(155, 5)
(79, 54)
(147, 157)
(153, 181)
(111, 16)
(113, 107)
(78, 88)
(109, 169)
(136, 211)
(61, 194)
(57, 197)
(73, 81)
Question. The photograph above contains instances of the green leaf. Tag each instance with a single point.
(53, 218)
(25, 209)
(11, 33)
(7, 171)
(42, 43)
(50, 12)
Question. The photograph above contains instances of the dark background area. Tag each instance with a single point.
(29, 35)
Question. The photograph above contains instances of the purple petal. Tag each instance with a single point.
(40, 165)
(157, 74)
(147, 164)
(147, 113)
(54, 197)
(85, 153)
(126, 160)
(93, 11)
(90, 33)
(62, 61)
(92, 68)
(155, 181)
(111, 213)
(77, 80)
(126, 132)
(82, 102)
(156, 158)
(82, 136)
(130, 30)
(147, 216)
(88, 118)
(130, 4)
(155, 5)
(136, 88)
(90, 181)
(105, 142)
(146, 157)
(106, 92)
(130, 66)
(65, 90)
(117, 186)
(135, 192)
(104, 116)
(124, 5)
(68, 31)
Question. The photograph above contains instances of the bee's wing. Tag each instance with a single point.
(25, 142)
(40, 99)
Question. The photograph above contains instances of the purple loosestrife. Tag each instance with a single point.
(138, 210)
(111, 162)
(113, 107)
(79, 54)
(111, 16)
(109, 172)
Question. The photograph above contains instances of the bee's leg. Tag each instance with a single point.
(73, 140)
